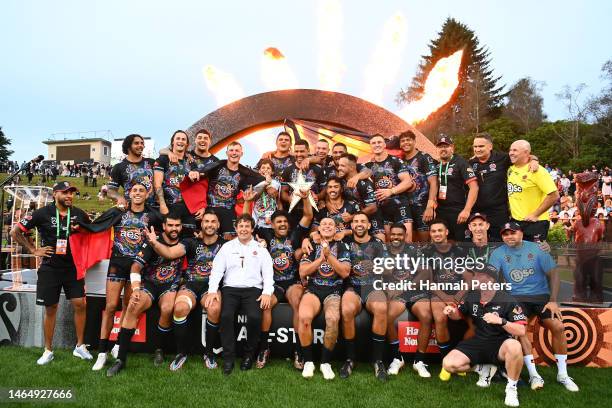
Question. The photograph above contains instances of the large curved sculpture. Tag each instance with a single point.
(269, 109)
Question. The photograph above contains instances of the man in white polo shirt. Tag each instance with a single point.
(246, 270)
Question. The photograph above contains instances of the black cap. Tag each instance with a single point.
(477, 215)
(64, 186)
(489, 270)
(514, 226)
(443, 139)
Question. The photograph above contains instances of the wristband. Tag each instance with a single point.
(135, 277)
(136, 289)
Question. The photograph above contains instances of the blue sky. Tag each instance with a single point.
(136, 66)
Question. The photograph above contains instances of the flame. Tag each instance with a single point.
(223, 85)
(276, 72)
(440, 85)
(329, 34)
(385, 62)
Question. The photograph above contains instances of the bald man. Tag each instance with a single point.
(530, 195)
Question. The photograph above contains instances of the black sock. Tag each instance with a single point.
(445, 348)
(349, 344)
(418, 356)
(103, 346)
(180, 335)
(326, 355)
(297, 347)
(264, 340)
(125, 336)
(395, 353)
(162, 336)
(378, 346)
(307, 352)
(212, 336)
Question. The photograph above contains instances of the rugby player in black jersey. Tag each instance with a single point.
(326, 266)
(285, 250)
(337, 208)
(360, 292)
(281, 157)
(154, 279)
(392, 180)
(415, 301)
(128, 234)
(133, 168)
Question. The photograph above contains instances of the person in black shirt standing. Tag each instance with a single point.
(55, 222)
(281, 157)
(454, 176)
(498, 318)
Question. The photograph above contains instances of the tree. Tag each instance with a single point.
(600, 106)
(478, 97)
(577, 111)
(524, 104)
(4, 143)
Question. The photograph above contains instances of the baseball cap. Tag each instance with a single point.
(514, 226)
(443, 139)
(64, 186)
(477, 215)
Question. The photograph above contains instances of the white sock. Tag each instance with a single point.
(512, 383)
(531, 367)
(561, 364)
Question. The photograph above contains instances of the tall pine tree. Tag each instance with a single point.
(477, 99)
(4, 143)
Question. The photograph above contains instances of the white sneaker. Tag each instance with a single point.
(536, 382)
(308, 370)
(568, 383)
(421, 368)
(46, 358)
(511, 396)
(396, 365)
(115, 351)
(82, 352)
(100, 362)
(485, 374)
(327, 371)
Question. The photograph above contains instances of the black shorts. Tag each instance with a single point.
(365, 291)
(155, 292)
(496, 218)
(417, 211)
(50, 282)
(199, 288)
(534, 231)
(281, 288)
(534, 305)
(377, 224)
(325, 293)
(119, 269)
(456, 232)
(227, 219)
(410, 297)
(482, 350)
(391, 213)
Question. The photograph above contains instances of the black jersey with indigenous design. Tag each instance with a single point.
(174, 173)
(282, 251)
(362, 193)
(223, 187)
(157, 269)
(280, 164)
(325, 275)
(446, 266)
(385, 174)
(198, 163)
(126, 173)
(350, 207)
(424, 166)
(502, 304)
(129, 230)
(200, 258)
(362, 256)
(404, 271)
(314, 174)
(45, 221)
(455, 175)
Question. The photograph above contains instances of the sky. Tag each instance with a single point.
(137, 66)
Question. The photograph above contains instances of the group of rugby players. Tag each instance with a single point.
(325, 220)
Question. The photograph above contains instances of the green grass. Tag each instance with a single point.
(278, 385)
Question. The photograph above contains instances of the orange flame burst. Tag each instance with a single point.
(440, 85)
(275, 71)
(223, 85)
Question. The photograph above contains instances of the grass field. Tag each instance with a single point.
(278, 385)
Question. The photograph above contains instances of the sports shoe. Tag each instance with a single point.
(178, 362)
(115, 368)
(511, 399)
(115, 351)
(444, 375)
(347, 369)
(485, 375)
(262, 358)
(396, 365)
(327, 371)
(82, 352)
(100, 362)
(536, 382)
(210, 361)
(158, 357)
(308, 370)
(568, 383)
(298, 363)
(46, 357)
(380, 371)
(421, 368)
